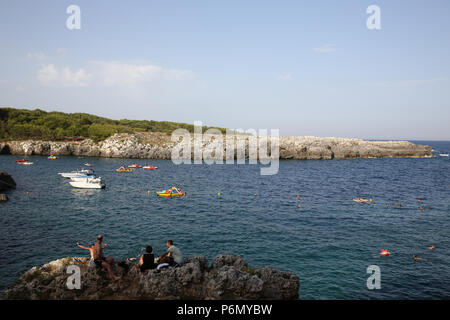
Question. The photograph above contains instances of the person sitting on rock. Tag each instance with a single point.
(172, 257)
(147, 260)
(100, 260)
(91, 250)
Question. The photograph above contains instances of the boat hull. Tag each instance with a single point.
(84, 185)
(169, 195)
(73, 175)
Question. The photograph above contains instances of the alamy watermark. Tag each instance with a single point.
(374, 20)
(213, 147)
(374, 281)
(74, 280)
(73, 22)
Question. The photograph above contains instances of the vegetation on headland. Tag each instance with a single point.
(22, 124)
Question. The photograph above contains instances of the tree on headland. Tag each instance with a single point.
(22, 124)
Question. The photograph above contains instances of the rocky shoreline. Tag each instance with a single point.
(159, 146)
(228, 277)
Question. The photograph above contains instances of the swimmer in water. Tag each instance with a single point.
(416, 258)
(432, 247)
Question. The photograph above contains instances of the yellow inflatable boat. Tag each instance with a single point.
(172, 192)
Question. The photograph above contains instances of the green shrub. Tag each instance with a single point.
(20, 124)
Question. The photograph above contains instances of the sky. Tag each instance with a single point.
(307, 68)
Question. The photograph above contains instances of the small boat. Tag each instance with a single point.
(23, 160)
(134, 166)
(52, 157)
(443, 154)
(87, 183)
(88, 164)
(149, 167)
(25, 163)
(123, 169)
(84, 173)
(172, 192)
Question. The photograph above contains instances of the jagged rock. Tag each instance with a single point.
(153, 145)
(6, 181)
(224, 260)
(228, 278)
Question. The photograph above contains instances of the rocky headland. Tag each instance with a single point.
(228, 277)
(150, 145)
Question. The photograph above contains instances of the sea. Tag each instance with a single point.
(302, 220)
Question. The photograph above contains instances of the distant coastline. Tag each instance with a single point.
(155, 145)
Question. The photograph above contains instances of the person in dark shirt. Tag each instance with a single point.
(147, 260)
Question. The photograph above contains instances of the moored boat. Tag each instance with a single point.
(172, 192)
(123, 169)
(84, 173)
(25, 163)
(87, 183)
(134, 166)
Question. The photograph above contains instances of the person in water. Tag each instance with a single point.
(100, 260)
(173, 256)
(416, 258)
(147, 260)
(432, 247)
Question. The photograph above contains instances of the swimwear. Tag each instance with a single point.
(98, 262)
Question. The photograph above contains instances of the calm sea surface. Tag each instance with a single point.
(329, 242)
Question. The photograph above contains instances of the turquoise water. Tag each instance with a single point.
(329, 242)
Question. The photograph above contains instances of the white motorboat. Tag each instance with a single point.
(25, 163)
(85, 173)
(443, 154)
(87, 183)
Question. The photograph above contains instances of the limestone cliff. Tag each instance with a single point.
(160, 145)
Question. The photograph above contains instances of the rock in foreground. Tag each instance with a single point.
(6, 181)
(228, 277)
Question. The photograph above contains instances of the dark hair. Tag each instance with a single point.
(100, 237)
(170, 242)
(149, 249)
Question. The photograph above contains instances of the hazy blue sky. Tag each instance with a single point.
(305, 67)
